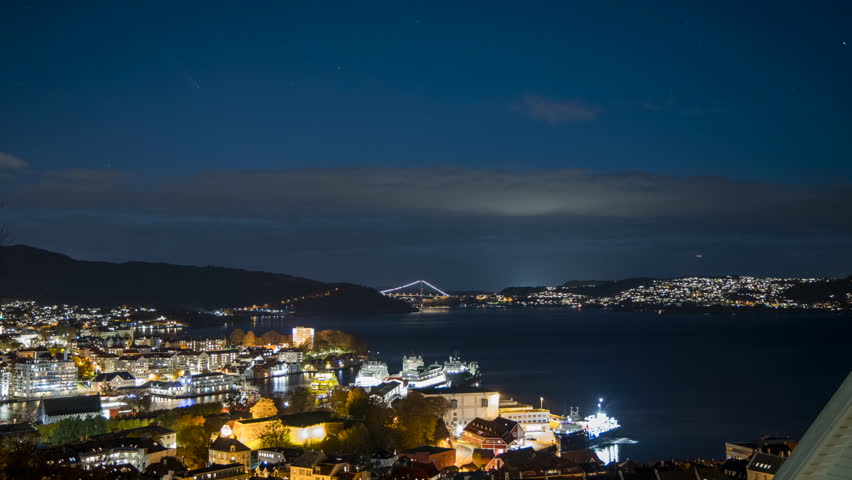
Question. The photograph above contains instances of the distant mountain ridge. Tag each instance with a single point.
(54, 278)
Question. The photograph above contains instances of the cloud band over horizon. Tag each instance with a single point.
(464, 216)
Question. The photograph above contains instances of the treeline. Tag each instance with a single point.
(371, 425)
(72, 430)
(325, 341)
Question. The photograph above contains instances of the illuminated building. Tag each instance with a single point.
(533, 420)
(42, 376)
(307, 427)
(303, 337)
(499, 434)
(226, 451)
(52, 410)
(466, 404)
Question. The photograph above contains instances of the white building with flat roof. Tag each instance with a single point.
(466, 403)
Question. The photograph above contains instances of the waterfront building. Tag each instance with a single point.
(42, 376)
(194, 385)
(113, 380)
(466, 404)
(303, 337)
(498, 435)
(225, 451)
(5, 380)
(51, 410)
(533, 420)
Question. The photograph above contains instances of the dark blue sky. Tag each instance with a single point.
(478, 144)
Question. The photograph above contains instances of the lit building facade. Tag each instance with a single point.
(42, 377)
(303, 337)
(466, 404)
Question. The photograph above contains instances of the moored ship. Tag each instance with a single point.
(371, 373)
(577, 434)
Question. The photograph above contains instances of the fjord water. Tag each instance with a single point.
(680, 384)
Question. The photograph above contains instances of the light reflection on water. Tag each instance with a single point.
(607, 453)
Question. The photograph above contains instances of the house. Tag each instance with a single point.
(499, 434)
(276, 455)
(337, 469)
(52, 410)
(139, 452)
(113, 381)
(466, 403)
(272, 470)
(779, 446)
(389, 391)
(162, 435)
(227, 451)
(231, 471)
(763, 466)
(302, 467)
(440, 457)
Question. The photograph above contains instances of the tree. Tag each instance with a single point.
(265, 407)
(355, 439)
(418, 419)
(338, 401)
(236, 337)
(358, 403)
(249, 339)
(275, 435)
(191, 440)
(270, 338)
(85, 368)
(8, 343)
(299, 400)
(72, 429)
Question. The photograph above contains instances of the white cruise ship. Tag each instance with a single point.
(371, 374)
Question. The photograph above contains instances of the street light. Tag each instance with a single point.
(541, 402)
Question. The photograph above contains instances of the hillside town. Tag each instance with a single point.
(684, 293)
(86, 387)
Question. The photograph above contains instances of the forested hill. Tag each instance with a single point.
(53, 278)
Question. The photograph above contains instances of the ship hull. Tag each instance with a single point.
(580, 440)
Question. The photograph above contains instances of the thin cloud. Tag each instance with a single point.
(566, 194)
(557, 112)
(11, 162)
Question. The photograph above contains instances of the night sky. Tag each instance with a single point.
(474, 144)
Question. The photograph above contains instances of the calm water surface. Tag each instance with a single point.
(680, 384)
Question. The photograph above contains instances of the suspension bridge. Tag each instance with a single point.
(417, 289)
